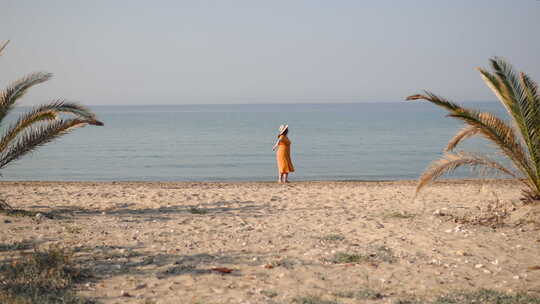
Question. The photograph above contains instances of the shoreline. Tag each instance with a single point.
(383, 181)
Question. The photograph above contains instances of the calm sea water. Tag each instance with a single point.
(364, 141)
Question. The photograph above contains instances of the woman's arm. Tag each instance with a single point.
(277, 143)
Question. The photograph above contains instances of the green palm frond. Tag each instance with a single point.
(466, 132)
(43, 113)
(452, 161)
(508, 78)
(18, 89)
(530, 97)
(520, 96)
(38, 136)
(40, 125)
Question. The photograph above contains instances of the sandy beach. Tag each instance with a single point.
(172, 242)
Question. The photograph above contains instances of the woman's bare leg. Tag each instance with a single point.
(286, 178)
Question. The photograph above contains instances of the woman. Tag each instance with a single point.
(283, 155)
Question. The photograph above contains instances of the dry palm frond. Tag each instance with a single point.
(466, 132)
(490, 126)
(38, 136)
(501, 134)
(438, 100)
(3, 46)
(451, 161)
(17, 90)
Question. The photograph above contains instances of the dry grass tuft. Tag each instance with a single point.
(43, 276)
(312, 300)
(493, 215)
(373, 255)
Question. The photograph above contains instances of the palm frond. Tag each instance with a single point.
(499, 133)
(41, 113)
(512, 91)
(451, 161)
(438, 100)
(530, 98)
(501, 84)
(18, 89)
(510, 84)
(466, 132)
(38, 136)
(80, 111)
(517, 93)
(492, 128)
(521, 98)
(3, 46)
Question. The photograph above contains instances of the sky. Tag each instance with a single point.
(249, 52)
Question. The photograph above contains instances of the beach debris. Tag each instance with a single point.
(222, 269)
(536, 267)
(462, 253)
(478, 266)
(126, 294)
(439, 212)
(39, 217)
(141, 286)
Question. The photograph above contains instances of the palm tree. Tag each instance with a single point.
(518, 140)
(39, 126)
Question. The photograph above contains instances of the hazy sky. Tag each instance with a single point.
(168, 52)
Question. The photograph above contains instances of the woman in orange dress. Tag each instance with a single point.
(283, 155)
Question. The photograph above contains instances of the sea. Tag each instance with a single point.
(333, 141)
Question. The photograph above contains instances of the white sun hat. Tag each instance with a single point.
(283, 128)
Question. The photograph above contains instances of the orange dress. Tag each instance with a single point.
(283, 155)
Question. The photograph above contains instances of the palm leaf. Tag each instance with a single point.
(18, 89)
(3, 46)
(438, 100)
(499, 133)
(519, 95)
(38, 136)
(40, 125)
(42, 113)
(531, 111)
(491, 127)
(509, 80)
(466, 132)
(521, 98)
(451, 161)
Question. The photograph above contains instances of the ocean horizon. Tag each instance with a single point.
(233, 142)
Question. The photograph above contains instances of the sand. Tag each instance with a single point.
(158, 242)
